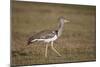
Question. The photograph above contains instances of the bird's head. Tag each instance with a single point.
(62, 19)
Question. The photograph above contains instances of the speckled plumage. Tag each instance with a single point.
(46, 34)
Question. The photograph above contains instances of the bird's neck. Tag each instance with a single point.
(60, 28)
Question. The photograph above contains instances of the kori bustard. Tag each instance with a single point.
(49, 36)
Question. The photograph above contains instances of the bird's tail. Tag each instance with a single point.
(28, 43)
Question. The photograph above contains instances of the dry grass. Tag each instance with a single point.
(77, 42)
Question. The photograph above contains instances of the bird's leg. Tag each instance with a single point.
(55, 49)
(46, 50)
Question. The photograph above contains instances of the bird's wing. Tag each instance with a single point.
(45, 34)
(42, 35)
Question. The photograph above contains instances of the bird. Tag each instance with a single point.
(49, 36)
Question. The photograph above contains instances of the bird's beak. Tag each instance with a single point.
(66, 21)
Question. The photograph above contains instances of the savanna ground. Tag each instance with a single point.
(77, 43)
